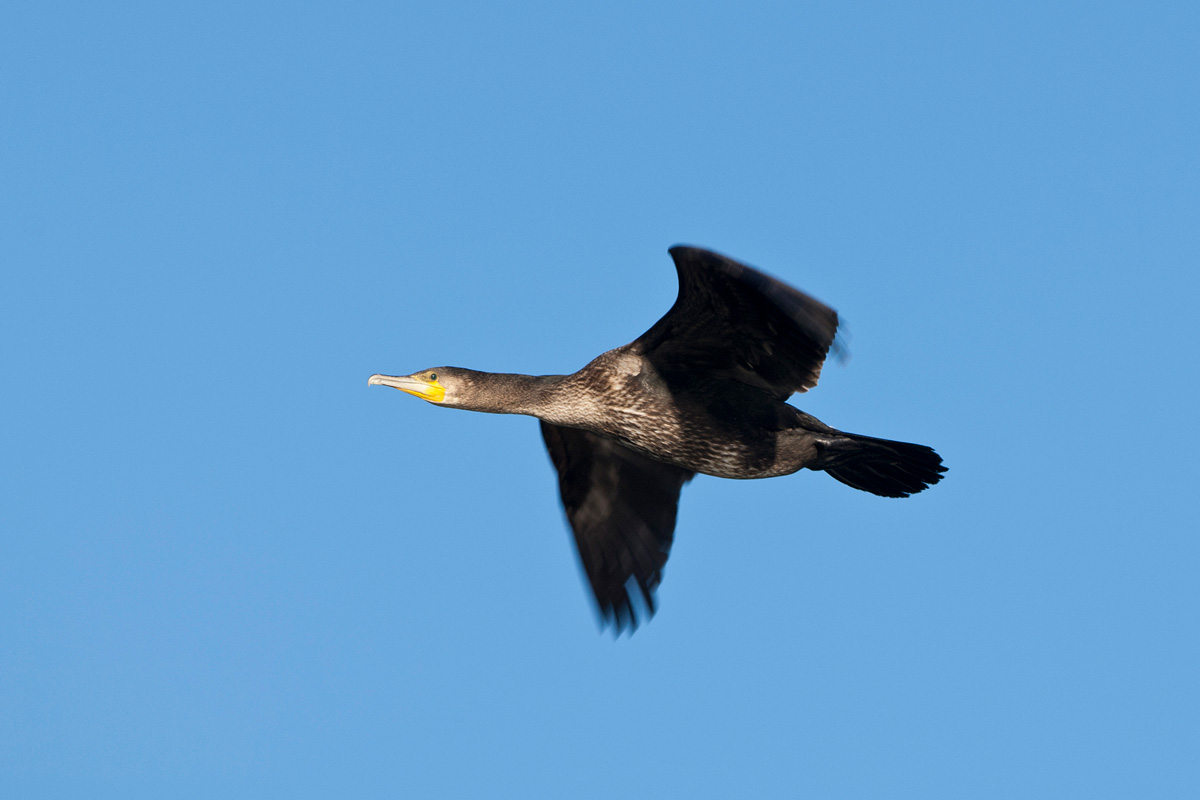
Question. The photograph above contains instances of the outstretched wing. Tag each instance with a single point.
(621, 506)
(732, 322)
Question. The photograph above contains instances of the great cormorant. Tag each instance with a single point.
(702, 391)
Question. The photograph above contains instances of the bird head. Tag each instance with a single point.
(456, 387)
(434, 385)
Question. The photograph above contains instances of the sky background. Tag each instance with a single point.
(230, 569)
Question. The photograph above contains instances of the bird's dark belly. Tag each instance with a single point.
(701, 444)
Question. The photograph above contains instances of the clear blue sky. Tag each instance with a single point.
(230, 569)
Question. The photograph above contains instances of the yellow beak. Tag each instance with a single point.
(423, 388)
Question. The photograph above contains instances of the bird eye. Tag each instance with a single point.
(433, 376)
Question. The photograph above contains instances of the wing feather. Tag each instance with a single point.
(622, 507)
(732, 322)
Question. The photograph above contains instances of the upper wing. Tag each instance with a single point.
(621, 506)
(732, 322)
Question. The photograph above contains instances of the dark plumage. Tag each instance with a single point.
(702, 391)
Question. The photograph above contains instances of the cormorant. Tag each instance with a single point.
(702, 391)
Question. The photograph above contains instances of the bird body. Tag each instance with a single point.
(729, 431)
(702, 391)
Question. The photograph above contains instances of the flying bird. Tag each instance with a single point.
(702, 391)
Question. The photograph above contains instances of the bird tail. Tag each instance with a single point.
(880, 466)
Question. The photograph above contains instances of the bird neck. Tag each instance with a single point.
(508, 393)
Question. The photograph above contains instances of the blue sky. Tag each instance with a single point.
(231, 569)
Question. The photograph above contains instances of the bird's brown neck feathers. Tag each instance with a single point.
(508, 393)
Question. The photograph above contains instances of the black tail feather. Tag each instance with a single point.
(880, 466)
